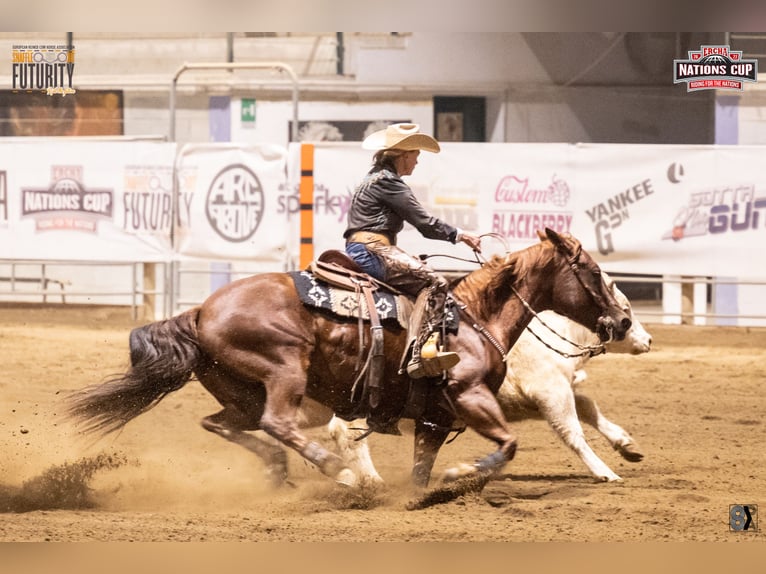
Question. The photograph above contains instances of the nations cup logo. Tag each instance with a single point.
(714, 68)
(67, 204)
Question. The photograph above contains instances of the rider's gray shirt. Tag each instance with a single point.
(383, 202)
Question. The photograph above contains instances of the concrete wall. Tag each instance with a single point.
(540, 87)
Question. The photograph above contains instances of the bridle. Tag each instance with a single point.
(584, 350)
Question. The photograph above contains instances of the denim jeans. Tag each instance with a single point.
(368, 261)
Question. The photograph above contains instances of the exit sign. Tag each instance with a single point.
(248, 111)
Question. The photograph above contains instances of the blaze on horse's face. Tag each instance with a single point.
(586, 287)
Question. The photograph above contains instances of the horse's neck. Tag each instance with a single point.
(511, 321)
(507, 324)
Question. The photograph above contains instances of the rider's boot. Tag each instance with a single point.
(427, 358)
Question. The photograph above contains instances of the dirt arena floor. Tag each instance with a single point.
(695, 404)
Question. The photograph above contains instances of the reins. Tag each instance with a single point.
(585, 350)
(588, 350)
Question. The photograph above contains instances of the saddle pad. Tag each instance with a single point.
(319, 294)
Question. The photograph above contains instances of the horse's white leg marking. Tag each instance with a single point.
(355, 454)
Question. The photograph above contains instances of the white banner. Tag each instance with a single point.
(676, 210)
(645, 209)
(653, 209)
(229, 202)
(78, 200)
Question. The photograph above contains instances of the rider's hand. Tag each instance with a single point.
(471, 240)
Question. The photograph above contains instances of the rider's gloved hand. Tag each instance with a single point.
(471, 240)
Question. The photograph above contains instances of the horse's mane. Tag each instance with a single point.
(487, 289)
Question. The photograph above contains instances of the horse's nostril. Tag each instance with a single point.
(626, 323)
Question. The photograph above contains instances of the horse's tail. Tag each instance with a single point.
(163, 357)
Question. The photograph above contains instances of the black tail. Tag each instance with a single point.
(163, 356)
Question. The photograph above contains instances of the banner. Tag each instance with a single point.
(644, 209)
(228, 203)
(673, 209)
(86, 200)
(508, 190)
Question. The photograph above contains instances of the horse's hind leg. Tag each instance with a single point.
(270, 451)
(280, 419)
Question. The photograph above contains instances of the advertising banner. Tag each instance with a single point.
(229, 202)
(86, 200)
(645, 209)
(675, 210)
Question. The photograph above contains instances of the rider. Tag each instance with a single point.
(381, 204)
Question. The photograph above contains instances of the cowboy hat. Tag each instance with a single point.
(401, 136)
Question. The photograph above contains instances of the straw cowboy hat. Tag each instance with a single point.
(401, 136)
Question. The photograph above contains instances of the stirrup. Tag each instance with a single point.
(432, 367)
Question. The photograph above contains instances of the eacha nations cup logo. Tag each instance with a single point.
(714, 68)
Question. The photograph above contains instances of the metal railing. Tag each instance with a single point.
(66, 292)
(233, 66)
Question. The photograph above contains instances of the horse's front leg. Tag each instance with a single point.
(478, 408)
(354, 452)
(589, 413)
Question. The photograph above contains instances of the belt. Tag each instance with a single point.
(369, 237)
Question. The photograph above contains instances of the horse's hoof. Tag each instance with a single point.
(609, 478)
(457, 472)
(629, 452)
(346, 478)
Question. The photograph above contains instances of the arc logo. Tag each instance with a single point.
(235, 203)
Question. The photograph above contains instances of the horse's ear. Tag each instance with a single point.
(553, 236)
(541, 235)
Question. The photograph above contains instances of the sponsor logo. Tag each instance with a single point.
(719, 210)
(148, 199)
(610, 214)
(521, 209)
(715, 68)
(235, 203)
(47, 68)
(67, 203)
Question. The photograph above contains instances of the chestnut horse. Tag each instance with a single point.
(258, 350)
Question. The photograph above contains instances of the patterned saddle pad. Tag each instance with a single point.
(316, 293)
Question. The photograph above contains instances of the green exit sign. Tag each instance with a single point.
(248, 111)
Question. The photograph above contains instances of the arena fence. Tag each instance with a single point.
(154, 291)
(174, 222)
